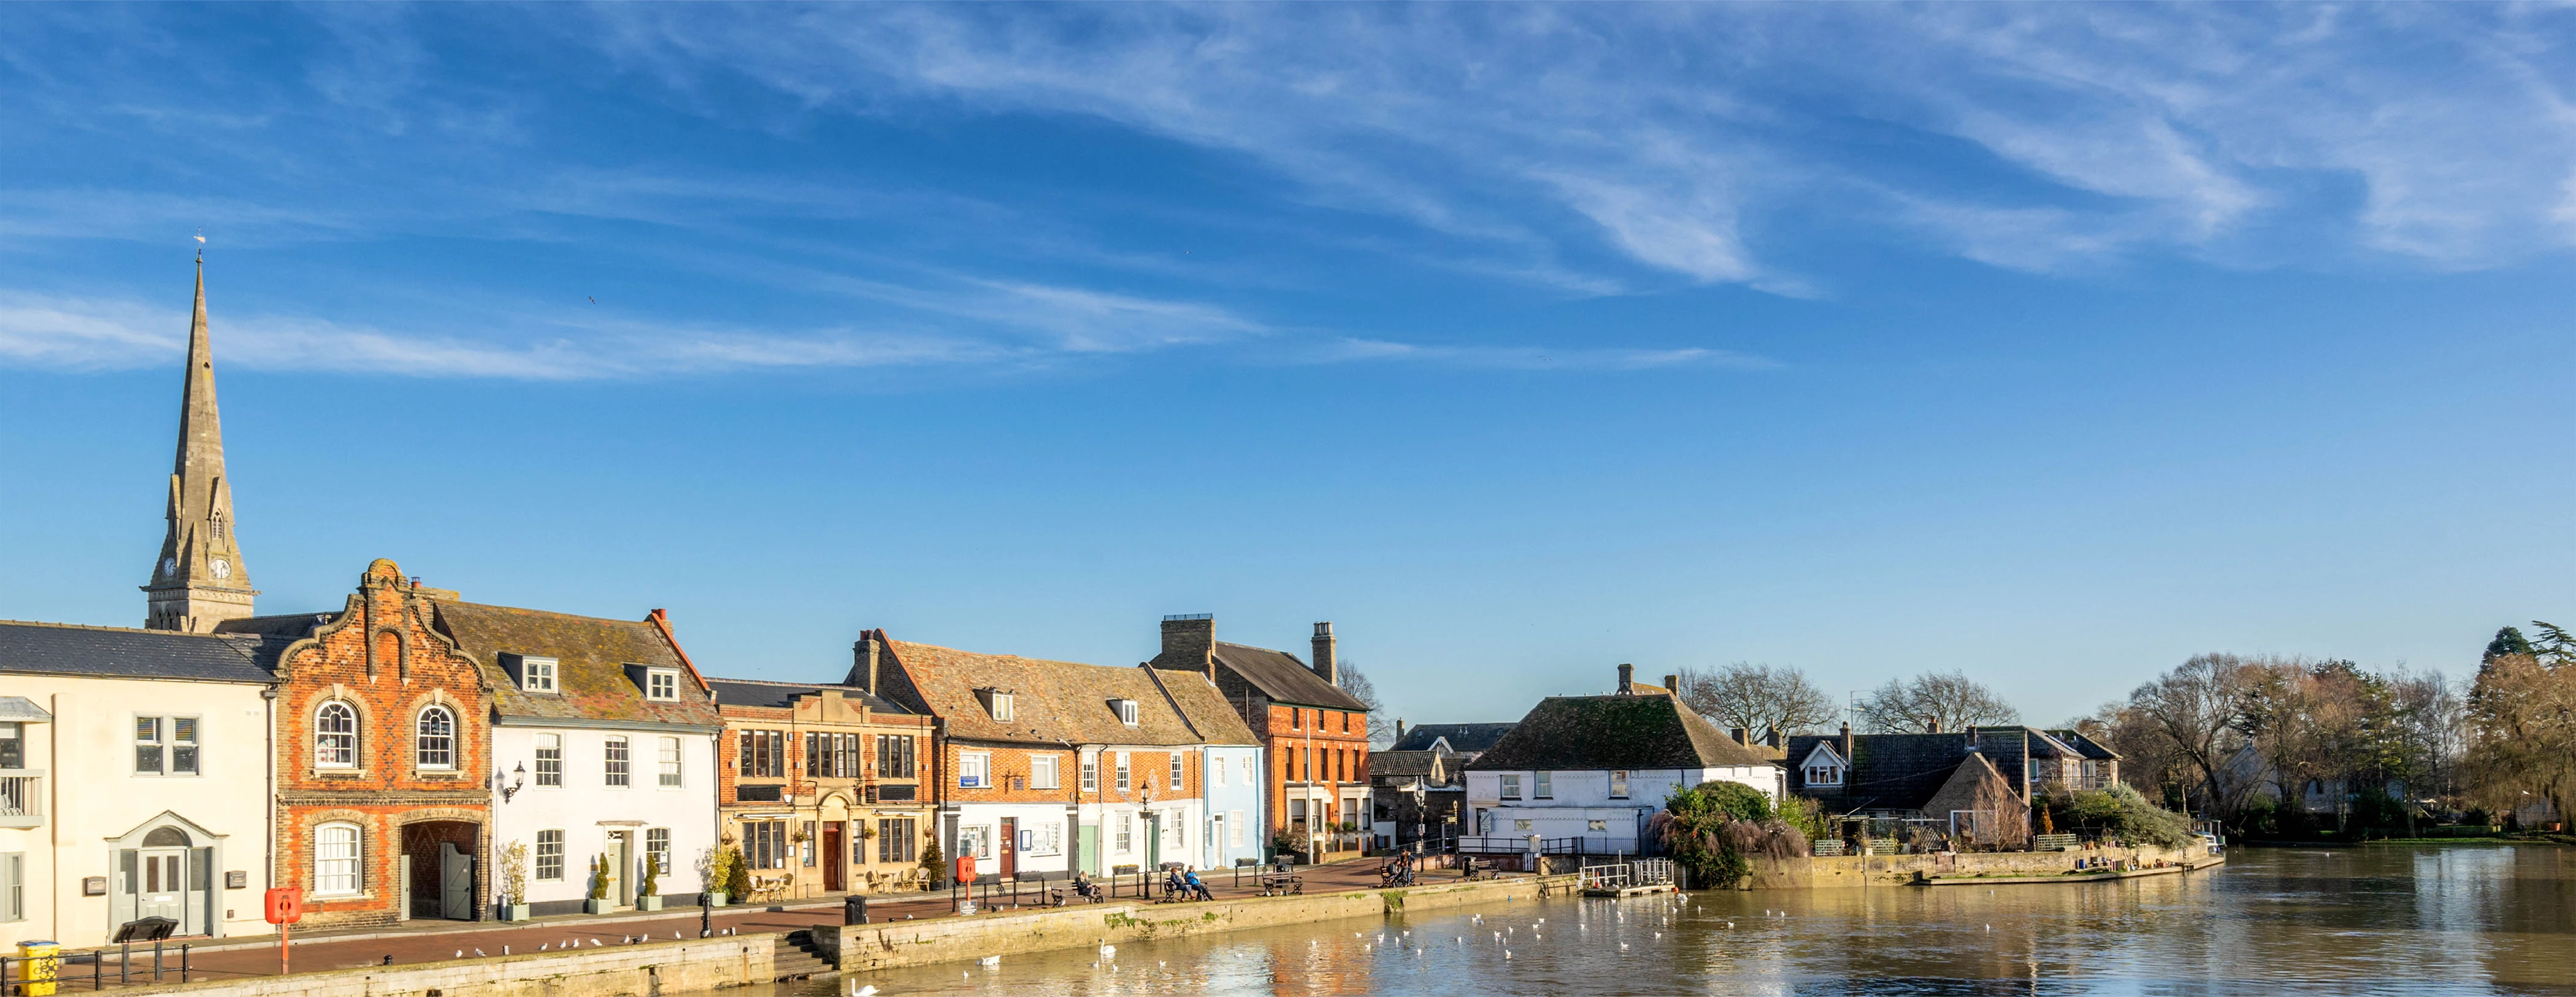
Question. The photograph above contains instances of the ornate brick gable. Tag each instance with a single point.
(382, 661)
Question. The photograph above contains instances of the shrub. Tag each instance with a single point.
(2121, 813)
(737, 880)
(1713, 828)
(934, 866)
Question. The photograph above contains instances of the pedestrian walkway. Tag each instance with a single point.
(434, 941)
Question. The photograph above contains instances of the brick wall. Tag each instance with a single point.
(1340, 758)
(382, 658)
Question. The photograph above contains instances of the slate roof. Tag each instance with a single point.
(592, 656)
(1284, 677)
(116, 652)
(1613, 732)
(782, 695)
(1402, 763)
(1052, 701)
(2085, 746)
(1888, 771)
(1465, 739)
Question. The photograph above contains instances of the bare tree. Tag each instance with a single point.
(1932, 703)
(2191, 714)
(1756, 698)
(2522, 734)
(1353, 681)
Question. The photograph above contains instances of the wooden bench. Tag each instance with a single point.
(1275, 884)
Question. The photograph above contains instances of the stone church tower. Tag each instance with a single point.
(199, 580)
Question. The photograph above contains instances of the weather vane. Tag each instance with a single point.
(201, 245)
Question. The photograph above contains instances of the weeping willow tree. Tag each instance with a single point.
(1715, 828)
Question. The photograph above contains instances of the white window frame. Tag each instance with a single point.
(336, 749)
(1180, 772)
(1250, 776)
(1046, 772)
(1542, 785)
(662, 685)
(550, 743)
(1618, 784)
(1127, 712)
(1126, 832)
(328, 868)
(617, 762)
(1126, 780)
(538, 856)
(1216, 773)
(420, 739)
(975, 770)
(1003, 705)
(540, 675)
(657, 848)
(672, 764)
(168, 745)
(1091, 772)
(1511, 787)
(1234, 828)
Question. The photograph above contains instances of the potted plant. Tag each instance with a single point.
(598, 902)
(648, 896)
(737, 881)
(514, 881)
(934, 868)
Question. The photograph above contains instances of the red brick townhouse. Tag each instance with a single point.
(1315, 735)
(383, 727)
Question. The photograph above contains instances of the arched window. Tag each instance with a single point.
(437, 740)
(335, 736)
(335, 859)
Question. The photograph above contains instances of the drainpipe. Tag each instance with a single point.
(268, 704)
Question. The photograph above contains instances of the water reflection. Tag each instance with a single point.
(2459, 920)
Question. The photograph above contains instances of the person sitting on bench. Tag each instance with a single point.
(1083, 887)
(1173, 884)
(1197, 888)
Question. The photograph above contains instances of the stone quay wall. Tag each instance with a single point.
(654, 969)
(1897, 870)
(864, 947)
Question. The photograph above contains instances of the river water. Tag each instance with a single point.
(2373, 920)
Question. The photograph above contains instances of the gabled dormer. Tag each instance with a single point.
(1823, 768)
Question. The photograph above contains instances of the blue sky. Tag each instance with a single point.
(2051, 343)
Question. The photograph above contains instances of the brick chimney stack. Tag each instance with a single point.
(1189, 644)
(863, 663)
(1627, 679)
(1326, 664)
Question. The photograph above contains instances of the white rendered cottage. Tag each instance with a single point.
(1583, 773)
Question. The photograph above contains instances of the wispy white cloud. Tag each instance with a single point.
(1666, 131)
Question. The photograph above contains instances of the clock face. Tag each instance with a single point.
(169, 566)
(223, 568)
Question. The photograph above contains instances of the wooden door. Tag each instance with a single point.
(455, 882)
(1010, 852)
(834, 859)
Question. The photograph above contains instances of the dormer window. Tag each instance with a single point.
(537, 675)
(998, 703)
(1126, 711)
(1823, 767)
(662, 684)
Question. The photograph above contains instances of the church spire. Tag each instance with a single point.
(199, 580)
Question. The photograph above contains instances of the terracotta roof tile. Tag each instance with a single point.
(593, 658)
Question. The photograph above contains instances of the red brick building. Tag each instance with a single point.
(1315, 735)
(383, 725)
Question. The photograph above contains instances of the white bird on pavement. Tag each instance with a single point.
(460, 953)
(478, 952)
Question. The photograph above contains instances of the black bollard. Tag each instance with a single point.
(854, 909)
(706, 915)
(183, 962)
(156, 962)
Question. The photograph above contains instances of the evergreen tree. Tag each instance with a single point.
(2507, 641)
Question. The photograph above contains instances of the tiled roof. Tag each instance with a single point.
(1282, 677)
(1204, 706)
(1463, 738)
(592, 658)
(782, 695)
(116, 652)
(1052, 701)
(1613, 732)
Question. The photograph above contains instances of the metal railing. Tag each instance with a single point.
(1605, 877)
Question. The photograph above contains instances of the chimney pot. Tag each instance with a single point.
(1674, 683)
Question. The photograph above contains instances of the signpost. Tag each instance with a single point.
(284, 906)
